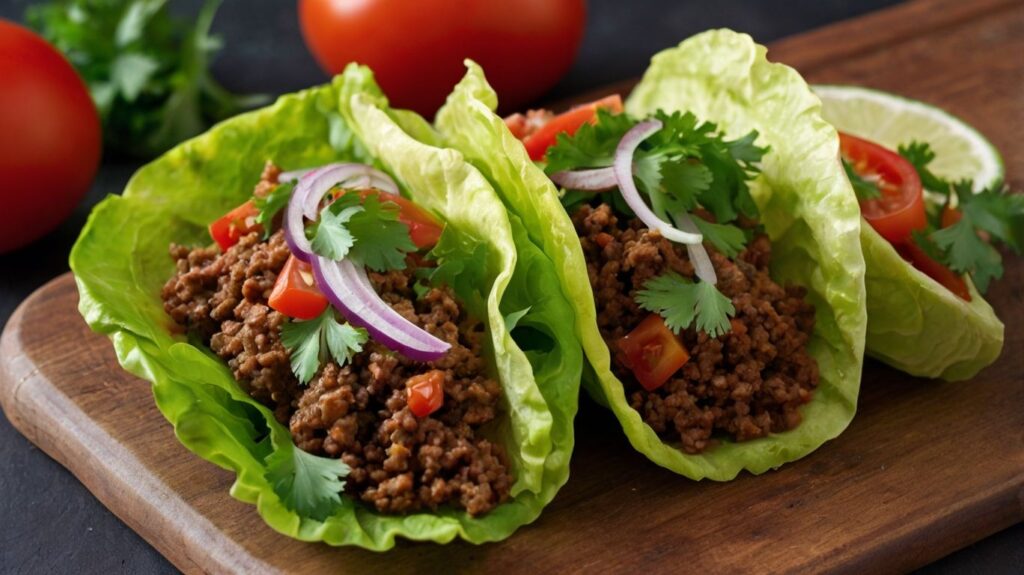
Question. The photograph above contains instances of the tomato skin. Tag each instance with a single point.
(901, 208)
(425, 392)
(537, 143)
(294, 294)
(51, 142)
(652, 352)
(424, 229)
(913, 253)
(230, 227)
(416, 49)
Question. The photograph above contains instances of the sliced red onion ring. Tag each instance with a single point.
(293, 175)
(599, 180)
(698, 254)
(624, 175)
(349, 290)
(312, 186)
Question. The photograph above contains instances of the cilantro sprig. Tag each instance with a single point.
(311, 343)
(864, 188)
(683, 303)
(271, 204)
(366, 230)
(993, 212)
(306, 483)
(686, 165)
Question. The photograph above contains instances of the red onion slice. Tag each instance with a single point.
(347, 288)
(698, 254)
(313, 185)
(599, 180)
(624, 175)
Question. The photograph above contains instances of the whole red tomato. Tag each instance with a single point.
(416, 47)
(50, 146)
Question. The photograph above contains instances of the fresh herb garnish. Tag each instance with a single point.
(271, 204)
(365, 230)
(683, 303)
(864, 188)
(311, 343)
(146, 71)
(685, 165)
(306, 483)
(960, 246)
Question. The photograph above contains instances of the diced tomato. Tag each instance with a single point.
(240, 221)
(652, 352)
(295, 294)
(425, 392)
(537, 143)
(900, 210)
(933, 269)
(424, 229)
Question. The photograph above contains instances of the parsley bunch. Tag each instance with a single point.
(684, 166)
(991, 212)
(146, 71)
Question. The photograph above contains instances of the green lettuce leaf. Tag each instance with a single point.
(807, 207)
(918, 326)
(120, 263)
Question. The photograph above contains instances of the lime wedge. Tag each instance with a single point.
(890, 120)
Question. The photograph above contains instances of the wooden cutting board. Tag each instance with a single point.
(926, 467)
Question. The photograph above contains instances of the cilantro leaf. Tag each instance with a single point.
(713, 310)
(728, 239)
(682, 303)
(271, 204)
(685, 181)
(863, 188)
(967, 253)
(920, 155)
(332, 239)
(381, 240)
(592, 146)
(996, 212)
(310, 343)
(306, 483)
(461, 265)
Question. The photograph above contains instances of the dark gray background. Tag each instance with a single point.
(50, 523)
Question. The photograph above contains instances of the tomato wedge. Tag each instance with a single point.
(230, 227)
(933, 269)
(537, 143)
(295, 294)
(652, 352)
(425, 392)
(424, 229)
(900, 210)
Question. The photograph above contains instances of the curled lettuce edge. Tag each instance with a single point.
(917, 325)
(120, 263)
(808, 209)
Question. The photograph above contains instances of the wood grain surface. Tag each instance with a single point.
(925, 468)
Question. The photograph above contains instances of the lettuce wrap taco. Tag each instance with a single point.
(372, 345)
(708, 240)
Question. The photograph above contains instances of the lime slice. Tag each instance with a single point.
(960, 150)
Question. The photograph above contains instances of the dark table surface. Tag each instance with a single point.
(53, 524)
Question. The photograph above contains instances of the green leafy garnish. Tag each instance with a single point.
(864, 189)
(311, 343)
(147, 72)
(682, 303)
(365, 230)
(684, 165)
(306, 483)
(271, 204)
(729, 240)
(992, 211)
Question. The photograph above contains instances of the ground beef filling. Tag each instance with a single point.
(745, 384)
(399, 463)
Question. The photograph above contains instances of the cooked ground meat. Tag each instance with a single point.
(744, 384)
(399, 463)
